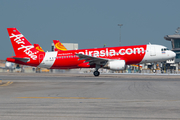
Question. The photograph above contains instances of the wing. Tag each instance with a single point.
(93, 60)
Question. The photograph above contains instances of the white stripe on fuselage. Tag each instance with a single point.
(48, 60)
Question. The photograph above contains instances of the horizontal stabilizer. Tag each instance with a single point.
(21, 59)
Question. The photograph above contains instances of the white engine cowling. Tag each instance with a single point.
(117, 65)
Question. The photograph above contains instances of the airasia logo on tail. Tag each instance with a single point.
(27, 49)
(17, 38)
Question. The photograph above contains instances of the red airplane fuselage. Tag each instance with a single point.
(115, 58)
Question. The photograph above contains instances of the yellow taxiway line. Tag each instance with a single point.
(61, 98)
(6, 84)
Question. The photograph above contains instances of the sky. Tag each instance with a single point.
(90, 23)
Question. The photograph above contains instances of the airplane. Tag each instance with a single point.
(113, 58)
(8, 66)
(59, 46)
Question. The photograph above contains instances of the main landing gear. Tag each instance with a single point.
(96, 72)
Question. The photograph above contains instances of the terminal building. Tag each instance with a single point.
(175, 42)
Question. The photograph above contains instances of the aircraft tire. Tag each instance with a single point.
(96, 73)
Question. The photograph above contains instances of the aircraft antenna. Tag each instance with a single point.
(177, 31)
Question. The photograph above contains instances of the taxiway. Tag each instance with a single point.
(85, 97)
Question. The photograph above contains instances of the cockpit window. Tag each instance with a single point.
(164, 49)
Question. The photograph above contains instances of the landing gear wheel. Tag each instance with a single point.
(96, 73)
(154, 71)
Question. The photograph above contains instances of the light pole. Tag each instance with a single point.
(120, 34)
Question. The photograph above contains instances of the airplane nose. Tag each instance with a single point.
(173, 54)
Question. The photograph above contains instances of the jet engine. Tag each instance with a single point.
(116, 65)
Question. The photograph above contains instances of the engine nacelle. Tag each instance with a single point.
(116, 65)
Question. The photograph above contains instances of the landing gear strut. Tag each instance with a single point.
(96, 72)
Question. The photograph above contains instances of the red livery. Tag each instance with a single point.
(114, 58)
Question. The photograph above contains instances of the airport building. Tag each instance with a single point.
(175, 42)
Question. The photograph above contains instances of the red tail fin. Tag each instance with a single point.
(59, 46)
(38, 47)
(22, 47)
